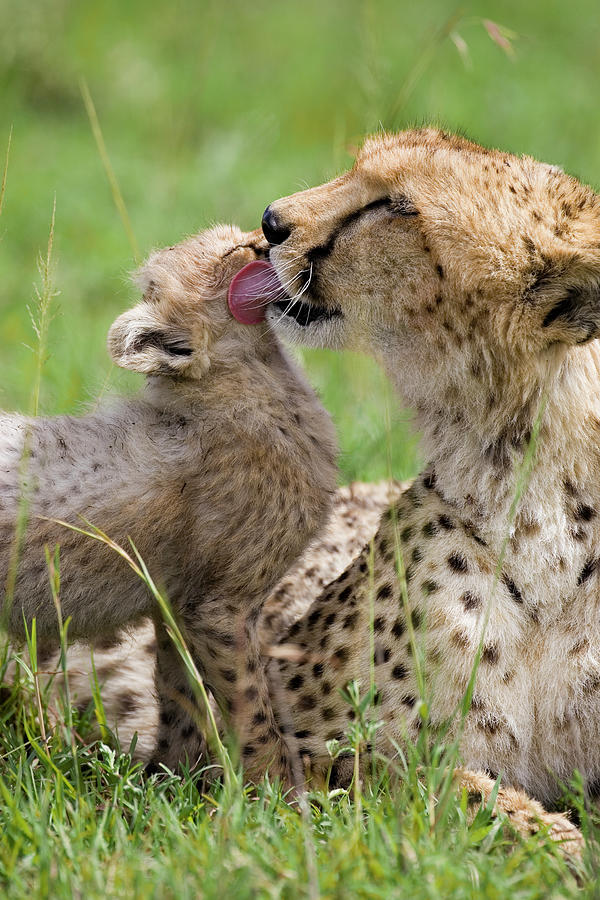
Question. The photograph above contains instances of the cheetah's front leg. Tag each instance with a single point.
(524, 813)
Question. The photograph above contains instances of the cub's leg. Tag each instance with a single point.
(181, 724)
(238, 682)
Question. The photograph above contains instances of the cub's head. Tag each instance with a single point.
(183, 323)
(434, 253)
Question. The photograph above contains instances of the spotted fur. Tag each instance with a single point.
(125, 668)
(483, 305)
(220, 471)
(125, 662)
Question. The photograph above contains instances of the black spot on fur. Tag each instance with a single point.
(296, 682)
(429, 587)
(128, 704)
(457, 562)
(303, 733)
(403, 206)
(416, 619)
(429, 529)
(399, 672)
(476, 538)
(512, 589)
(341, 655)
(585, 513)
(306, 703)
(318, 670)
(417, 554)
(570, 488)
(490, 654)
(587, 571)
(379, 624)
(350, 620)
(168, 717)
(398, 628)
(384, 592)
(345, 594)
(382, 655)
(429, 479)
(330, 619)
(470, 601)
(229, 675)
(446, 523)
(314, 617)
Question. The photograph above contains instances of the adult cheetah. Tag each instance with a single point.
(221, 471)
(473, 276)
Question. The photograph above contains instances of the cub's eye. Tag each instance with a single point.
(401, 205)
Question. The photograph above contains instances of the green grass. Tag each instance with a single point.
(209, 110)
(79, 819)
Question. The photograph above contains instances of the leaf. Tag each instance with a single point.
(462, 47)
(501, 36)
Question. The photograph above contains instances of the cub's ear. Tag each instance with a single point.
(140, 341)
(568, 292)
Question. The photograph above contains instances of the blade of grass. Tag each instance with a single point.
(53, 564)
(196, 680)
(5, 172)
(108, 169)
(40, 319)
(31, 640)
(418, 70)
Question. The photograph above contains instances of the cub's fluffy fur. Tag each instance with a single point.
(220, 471)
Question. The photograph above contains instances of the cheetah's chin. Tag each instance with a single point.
(307, 324)
(304, 314)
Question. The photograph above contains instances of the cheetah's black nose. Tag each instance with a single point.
(274, 231)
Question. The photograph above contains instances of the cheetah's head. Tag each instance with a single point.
(183, 324)
(434, 254)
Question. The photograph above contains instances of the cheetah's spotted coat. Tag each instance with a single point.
(474, 277)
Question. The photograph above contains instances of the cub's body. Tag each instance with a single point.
(221, 472)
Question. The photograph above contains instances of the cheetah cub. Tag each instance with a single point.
(220, 471)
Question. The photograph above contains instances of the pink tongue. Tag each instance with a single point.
(251, 290)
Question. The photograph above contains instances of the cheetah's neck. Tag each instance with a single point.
(479, 462)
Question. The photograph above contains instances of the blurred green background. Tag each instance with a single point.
(210, 110)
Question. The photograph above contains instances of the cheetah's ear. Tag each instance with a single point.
(140, 341)
(569, 294)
